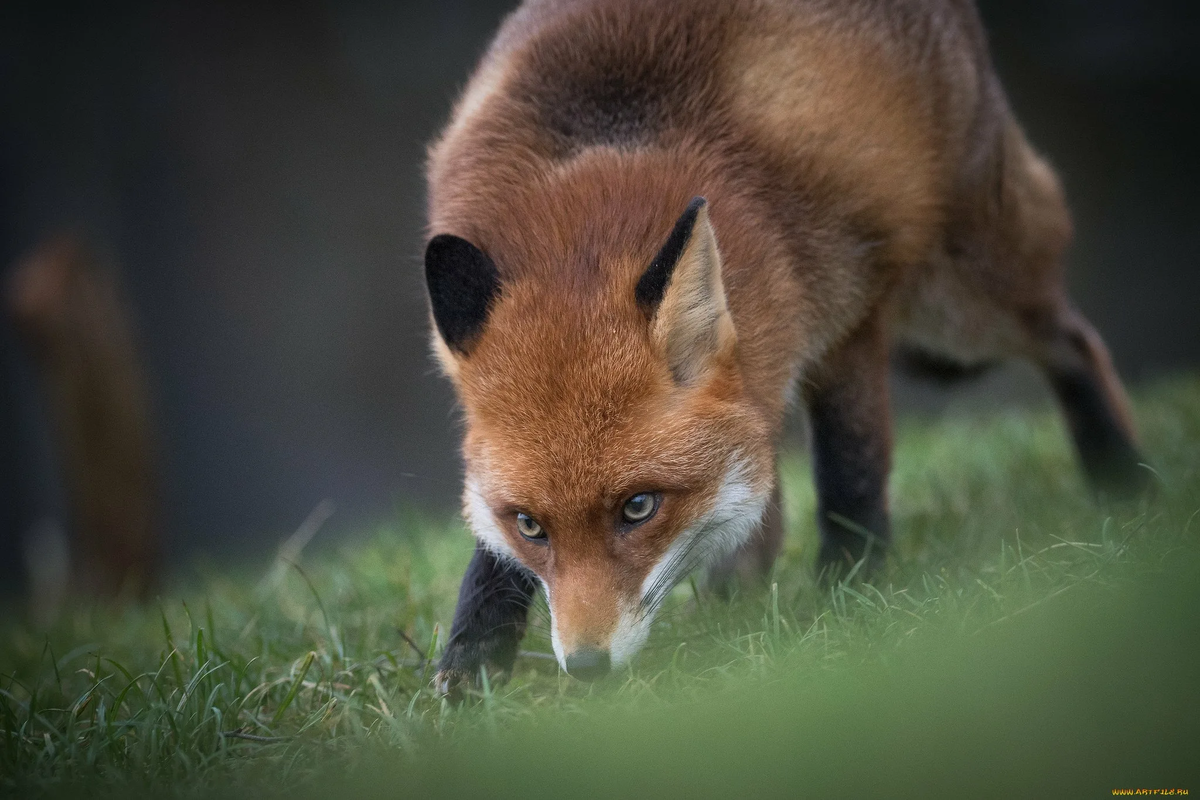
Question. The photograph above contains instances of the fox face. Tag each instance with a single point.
(610, 446)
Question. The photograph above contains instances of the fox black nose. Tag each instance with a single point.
(588, 665)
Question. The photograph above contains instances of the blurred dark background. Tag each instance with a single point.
(254, 172)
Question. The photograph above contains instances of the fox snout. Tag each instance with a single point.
(595, 623)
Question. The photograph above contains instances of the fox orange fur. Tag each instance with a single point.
(656, 223)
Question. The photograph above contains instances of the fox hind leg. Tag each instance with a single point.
(1081, 374)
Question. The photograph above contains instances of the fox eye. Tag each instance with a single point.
(528, 527)
(640, 507)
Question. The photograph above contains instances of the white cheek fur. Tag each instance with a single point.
(736, 512)
(483, 522)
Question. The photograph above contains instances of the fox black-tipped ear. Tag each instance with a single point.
(462, 281)
(684, 296)
(653, 283)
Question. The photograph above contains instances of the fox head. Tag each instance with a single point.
(610, 445)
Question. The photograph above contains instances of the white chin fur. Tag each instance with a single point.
(632, 629)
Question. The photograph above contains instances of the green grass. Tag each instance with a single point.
(1023, 642)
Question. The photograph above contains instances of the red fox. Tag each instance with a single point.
(654, 224)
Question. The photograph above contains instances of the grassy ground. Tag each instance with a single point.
(1024, 642)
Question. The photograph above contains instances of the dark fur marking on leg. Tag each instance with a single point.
(849, 412)
(1083, 378)
(489, 621)
(1110, 459)
(850, 467)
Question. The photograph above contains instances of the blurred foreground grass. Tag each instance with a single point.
(1024, 642)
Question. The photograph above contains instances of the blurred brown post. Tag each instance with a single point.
(69, 313)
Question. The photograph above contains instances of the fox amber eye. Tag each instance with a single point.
(640, 507)
(528, 527)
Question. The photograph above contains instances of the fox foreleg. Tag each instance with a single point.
(489, 621)
(850, 416)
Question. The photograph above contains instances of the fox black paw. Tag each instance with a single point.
(456, 677)
(453, 684)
